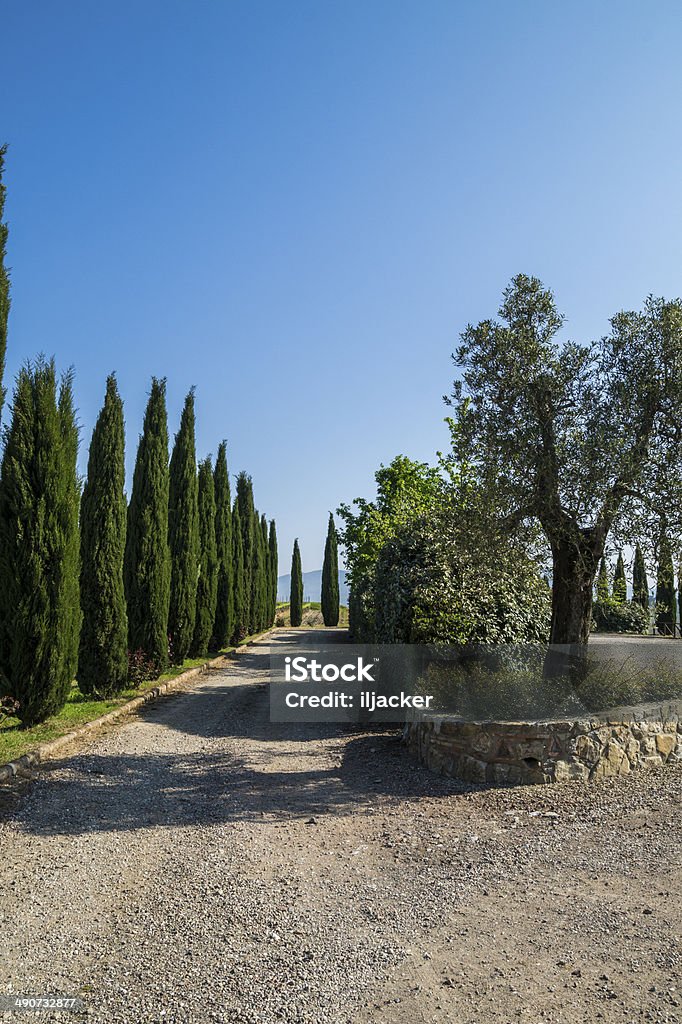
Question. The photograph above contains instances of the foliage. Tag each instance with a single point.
(39, 544)
(103, 659)
(140, 667)
(478, 691)
(147, 556)
(429, 561)
(247, 517)
(224, 615)
(405, 489)
(330, 577)
(581, 438)
(260, 574)
(440, 582)
(613, 616)
(183, 535)
(207, 589)
(9, 708)
(272, 563)
(640, 583)
(241, 607)
(620, 587)
(296, 599)
(665, 588)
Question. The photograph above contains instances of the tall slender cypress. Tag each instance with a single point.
(224, 615)
(272, 563)
(247, 515)
(147, 558)
(256, 577)
(665, 588)
(39, 544)
(603, 582)
(4, 279)
(207, 589)
(640, 583)
(330, 577)
(620, 587)
(296, 597)
(183, 535)
(263, 581)
(240, 603)
(103, 652)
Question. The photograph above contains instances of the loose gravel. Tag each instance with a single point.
(199, 863)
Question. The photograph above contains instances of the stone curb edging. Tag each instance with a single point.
(33, 758)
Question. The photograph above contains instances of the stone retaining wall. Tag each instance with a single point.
(538, 752)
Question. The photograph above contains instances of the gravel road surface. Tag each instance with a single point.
(199, 863)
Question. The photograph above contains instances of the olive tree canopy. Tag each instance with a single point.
(582, 438)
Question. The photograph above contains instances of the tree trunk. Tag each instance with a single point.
(575, 560)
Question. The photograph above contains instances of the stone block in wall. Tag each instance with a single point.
(665, 744)
(613, 761)
(588, 749)
(570, 771)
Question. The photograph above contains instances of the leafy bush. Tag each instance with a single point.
(611, 616)
(479, 691)
(439, 581)
(141, 667)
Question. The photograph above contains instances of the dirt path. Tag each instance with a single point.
(200, 864)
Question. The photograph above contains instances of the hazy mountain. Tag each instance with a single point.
(312, 586)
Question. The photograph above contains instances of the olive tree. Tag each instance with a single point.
(583, 439)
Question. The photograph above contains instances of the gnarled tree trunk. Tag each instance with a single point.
(575, 560)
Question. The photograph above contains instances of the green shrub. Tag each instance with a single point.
(612, 616)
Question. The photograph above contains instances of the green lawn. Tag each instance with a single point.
(79, 709)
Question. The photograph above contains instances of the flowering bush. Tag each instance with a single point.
(141, 667)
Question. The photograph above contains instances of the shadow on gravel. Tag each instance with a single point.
(123, 793)
(95, 792)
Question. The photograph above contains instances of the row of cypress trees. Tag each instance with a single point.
(101, 590)
(187, 585)
(665, 599)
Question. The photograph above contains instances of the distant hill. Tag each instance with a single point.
(312, 586)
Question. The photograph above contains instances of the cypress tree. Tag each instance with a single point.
(296, 597)
(103, 652)
(247, 515)
(39, 544)
(640, 583)
(240, 605)
(272, 563)
(183, 535)
(330, 577)
(4, 280)
(665, 588)
(147, 558)
(207, 590)
(603, 581)
(256, 576)
(224, 617)
(264, 585)
(620, 589)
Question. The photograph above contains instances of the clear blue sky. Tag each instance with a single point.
(297, 206)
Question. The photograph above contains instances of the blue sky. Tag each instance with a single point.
(297, 207)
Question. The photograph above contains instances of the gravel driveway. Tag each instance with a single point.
(200, 864)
